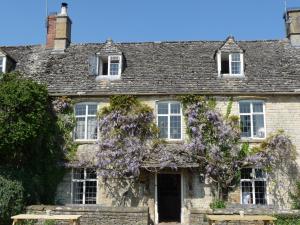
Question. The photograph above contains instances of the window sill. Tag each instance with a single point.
(85, 141)
(252, 140)
(108, 77)
(170, 141)
(232, 75)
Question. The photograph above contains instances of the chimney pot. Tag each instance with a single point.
(64, 9)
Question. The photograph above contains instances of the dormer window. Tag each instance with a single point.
(107, 63)
(230, 64)
(110, 66)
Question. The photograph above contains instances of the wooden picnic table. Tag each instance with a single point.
(212, 219)
(74, 219)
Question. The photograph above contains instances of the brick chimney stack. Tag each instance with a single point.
(59, 30)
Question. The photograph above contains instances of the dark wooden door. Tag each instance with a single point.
(169, 197)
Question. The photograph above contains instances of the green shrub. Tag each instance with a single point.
(287, 219)
(296, 196)
(217, 204)
(11, 199)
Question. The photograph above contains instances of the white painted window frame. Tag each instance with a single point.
(4, 59)
(169, 119)
(219, 62)
(251, 117)
(85, 121)
(109, 58)
(84, 185)
(252, 180)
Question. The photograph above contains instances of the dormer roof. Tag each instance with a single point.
(230, 45)
(109, 48)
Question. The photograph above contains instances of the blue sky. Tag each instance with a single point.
(22, 22)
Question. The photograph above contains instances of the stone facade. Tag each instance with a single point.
(280, 113)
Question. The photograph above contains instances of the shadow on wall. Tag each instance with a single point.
(282, 182)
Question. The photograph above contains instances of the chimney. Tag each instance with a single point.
(292, 24)
(59, 29)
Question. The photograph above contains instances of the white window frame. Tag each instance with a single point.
(85, 123)
(84, 180)
(4, 58)
(252, 180)
(109, 59)
(251, 117)
(219, 59)
(169, 119)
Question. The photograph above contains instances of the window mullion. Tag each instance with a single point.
(251, 119)
(84, 187)
(169, 120)
(85, 122)
(253, 187)
(230, 61)
(108, 66)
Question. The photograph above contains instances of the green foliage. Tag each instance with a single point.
(11, 199)
(31, 143)
(229, 108)
(217, 204)
(296, 196)
(192, 99)
(287, 219)
(23, 116)
(49, 222)
(121, 103)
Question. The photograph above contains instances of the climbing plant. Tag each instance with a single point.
(215, 142)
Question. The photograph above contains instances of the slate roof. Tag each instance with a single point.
(164, 68)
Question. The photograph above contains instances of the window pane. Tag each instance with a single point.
(77, 192)
(246, 173)
(258, 126)
(244, 107)
(247, 197)
(78, 173)
(92, 109)
(235, 57)
(92, 128)
(175, 108)
(114, 68)
(224, 63)
(162, 108)
(235, 67)
(245, 126)
(175, 127)
(91, 174)
(260, 192)
(90, 192)
(80, 110)
(257, 107)
(80, 128)
(163, 126)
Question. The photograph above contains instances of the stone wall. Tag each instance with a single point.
(198, 217)
(98, 215)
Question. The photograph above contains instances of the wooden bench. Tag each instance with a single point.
(212, 219)
(73, 219)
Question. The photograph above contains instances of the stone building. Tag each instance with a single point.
(262, 77)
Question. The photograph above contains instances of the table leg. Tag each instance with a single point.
(14, 222)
